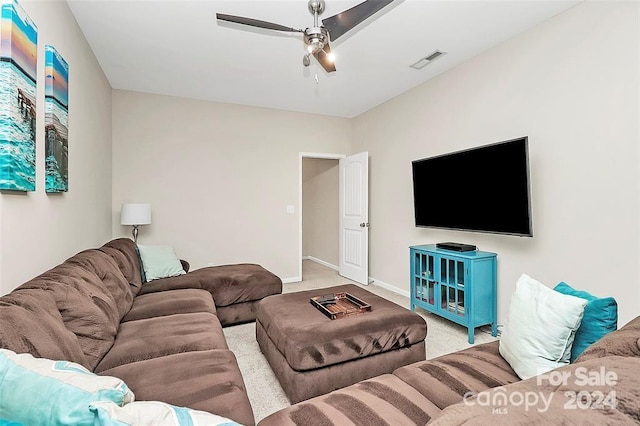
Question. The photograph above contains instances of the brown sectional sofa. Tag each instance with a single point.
(163, 338)
(477, 386)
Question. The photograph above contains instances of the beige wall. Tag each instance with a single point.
(219, 177)
(571, 85)
(38, 231)
(320, 215)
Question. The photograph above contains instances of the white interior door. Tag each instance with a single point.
(354, 217)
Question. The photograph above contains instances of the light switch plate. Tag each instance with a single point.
(290, 209)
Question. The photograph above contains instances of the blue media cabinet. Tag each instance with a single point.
(458, 286)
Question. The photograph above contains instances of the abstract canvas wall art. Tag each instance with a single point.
(18, 65)
(56, 116)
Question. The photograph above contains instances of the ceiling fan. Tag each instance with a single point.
(316, 38)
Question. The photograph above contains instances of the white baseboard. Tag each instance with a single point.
(389, 287)
(321, 262)
(372, 280)
(291, 280)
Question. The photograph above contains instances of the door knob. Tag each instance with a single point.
(364, 225)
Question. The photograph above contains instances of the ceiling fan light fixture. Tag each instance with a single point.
(315, 46)
(315, 39)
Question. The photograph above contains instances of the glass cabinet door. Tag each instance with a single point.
(452, 272)
(452, 286)
(424, 278)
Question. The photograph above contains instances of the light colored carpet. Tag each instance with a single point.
(266, 394)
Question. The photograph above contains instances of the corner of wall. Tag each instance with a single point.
(352, 121)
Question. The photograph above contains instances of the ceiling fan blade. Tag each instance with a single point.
(256, 23)
(339, 24)
(324, 58)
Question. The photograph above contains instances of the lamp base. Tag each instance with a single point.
(135, 233)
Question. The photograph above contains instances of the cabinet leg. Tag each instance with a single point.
(494, 329)
(471, 334)
(413, 307)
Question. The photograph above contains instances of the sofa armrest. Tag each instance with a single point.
(185, 265)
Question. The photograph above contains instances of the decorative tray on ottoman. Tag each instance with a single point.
(340, 305)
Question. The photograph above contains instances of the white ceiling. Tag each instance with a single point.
(178, 48)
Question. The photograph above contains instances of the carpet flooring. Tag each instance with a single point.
(266, 394)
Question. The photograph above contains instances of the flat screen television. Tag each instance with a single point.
(483, 189)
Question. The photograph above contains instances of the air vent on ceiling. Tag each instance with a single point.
(423, 62)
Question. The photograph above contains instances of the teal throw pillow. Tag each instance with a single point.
(159, 262)
(44, 392)
(600, 318)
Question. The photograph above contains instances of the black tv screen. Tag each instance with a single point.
(483, 189)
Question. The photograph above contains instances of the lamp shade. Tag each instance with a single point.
(135, 214)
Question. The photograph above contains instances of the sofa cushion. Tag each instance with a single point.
(383, 400)
(170, 302)
(92, 296)
(159, 262)
(610, 396)
(623, 342)
(153, 413)
(203, 380)
(86, 310)
(446, 379)
(111, 281)
(600, 318)
(155, 337)
(30, 322)
(125, 254)
(229, 284)
(541, 325)
(38, 391)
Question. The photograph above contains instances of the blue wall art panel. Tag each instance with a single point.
(18, 59)
(56, 117)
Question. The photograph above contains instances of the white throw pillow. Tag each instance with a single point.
(540, 328)
(160, 262)
(153, 413)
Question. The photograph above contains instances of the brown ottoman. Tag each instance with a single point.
(311, 354)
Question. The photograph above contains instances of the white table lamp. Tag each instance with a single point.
(135, 214)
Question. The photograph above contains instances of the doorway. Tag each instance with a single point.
(318, 209)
